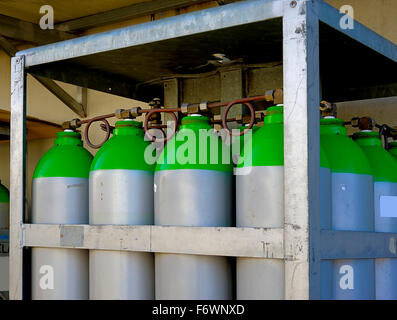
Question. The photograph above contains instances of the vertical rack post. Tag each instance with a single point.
(301, 146)
(17, 175)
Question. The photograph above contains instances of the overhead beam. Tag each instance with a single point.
(124, 13)
(5, 129)
(82, 97)
(98, 80)
(30, 32)
(7, 47)
(62, 95)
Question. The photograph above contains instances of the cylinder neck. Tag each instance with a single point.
(332, 126)
(127, 127)
(368, 138)
(195, 122)
(68, 138)
(274, 115)
(393, 145)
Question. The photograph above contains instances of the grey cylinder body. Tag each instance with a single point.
(193, 198)
(121, 275)
(385, 221)
(260, 203)
(4, 215)
(59, 273)
(325, 198)
(352, 202)
(192, 277)
(121, 197)
(352, 209)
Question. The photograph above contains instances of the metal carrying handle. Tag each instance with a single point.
(225, 113)
(146, 123)
(87, 128)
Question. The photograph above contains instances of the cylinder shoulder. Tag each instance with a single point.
(265, 148)
(192, 150)
(344, 155)
(123, 152)
(383, 164)
(64, 161)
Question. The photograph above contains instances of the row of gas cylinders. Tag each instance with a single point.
(119, 186)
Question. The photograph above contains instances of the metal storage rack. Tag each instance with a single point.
(302, 33)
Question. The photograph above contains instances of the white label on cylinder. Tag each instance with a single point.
(388, 206)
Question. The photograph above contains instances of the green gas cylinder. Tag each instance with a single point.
(121, 193)
(60, 196)
(352, 209)
(193, 187)
(384, 168)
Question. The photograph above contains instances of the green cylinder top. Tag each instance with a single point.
(195, 146)
(4, 194)
(393, 149)
(344, 155)
(268, 142)
(67, 158)
(384, 166)
(125, 150)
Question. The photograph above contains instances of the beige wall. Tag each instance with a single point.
(379, 15)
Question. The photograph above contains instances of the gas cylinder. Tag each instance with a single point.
(259, 203)
(352, 208)
(393, 149)
(60, 196)
(121, 193)
(193, 187)
(384, 168)
(4, 207)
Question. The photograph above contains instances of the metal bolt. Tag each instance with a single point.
(204, 106)
(293, 4)
(185, 108)
(134, 111)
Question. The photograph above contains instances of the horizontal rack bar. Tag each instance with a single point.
(220, 241)
(359, 245)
